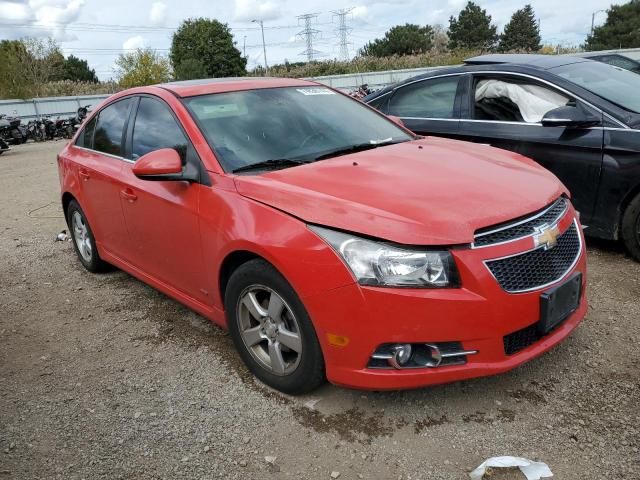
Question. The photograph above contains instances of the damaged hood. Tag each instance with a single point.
(425, 192)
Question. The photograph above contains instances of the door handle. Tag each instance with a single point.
(84, 174)
(128, 194)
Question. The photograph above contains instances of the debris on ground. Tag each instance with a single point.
(532, 470)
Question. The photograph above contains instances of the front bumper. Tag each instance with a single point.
(479, 315)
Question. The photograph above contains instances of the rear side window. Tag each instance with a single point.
(109, 128)
(156, 128)
(380, 103)
(85, 139)
(426, 99)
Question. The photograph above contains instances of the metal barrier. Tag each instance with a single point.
(52, 106)
(67, 106)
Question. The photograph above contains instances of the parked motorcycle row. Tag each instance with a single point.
(14, 132)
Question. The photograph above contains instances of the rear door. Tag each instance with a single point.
(505, 110)
(429, 106)
(98, 156)
(162, 216)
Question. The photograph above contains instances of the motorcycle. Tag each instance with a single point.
(361, 92)
(10, 130)
(4, 146)
(75, 121)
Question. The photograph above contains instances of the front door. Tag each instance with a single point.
(162, 216)
(506, 111)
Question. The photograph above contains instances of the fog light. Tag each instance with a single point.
(400, 355)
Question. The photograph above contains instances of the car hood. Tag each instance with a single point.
(431, 191)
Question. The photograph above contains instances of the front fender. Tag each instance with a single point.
(232, 223)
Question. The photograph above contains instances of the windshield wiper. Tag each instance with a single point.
(359, 147)
(268, 164)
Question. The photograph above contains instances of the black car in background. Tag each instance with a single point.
(576, 117)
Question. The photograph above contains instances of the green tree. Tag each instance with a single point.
(203, 47)
(12, 81)
(522, 33)
(400, 40)
(472, 30)
(142, 67)
(78, 70)
(621, 29)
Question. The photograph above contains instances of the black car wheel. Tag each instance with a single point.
(271, 329)
(631, 228)
(84, 242)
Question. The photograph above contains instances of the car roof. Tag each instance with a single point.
(532, 60)
(190, 88)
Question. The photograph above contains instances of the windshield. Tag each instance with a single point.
(300, 123)
(615, 84)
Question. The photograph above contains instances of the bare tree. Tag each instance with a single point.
(439, 40)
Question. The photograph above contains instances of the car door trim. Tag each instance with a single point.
(517, 74)
(117, 157)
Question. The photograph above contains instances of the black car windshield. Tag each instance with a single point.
(283, 124)
(615, 84)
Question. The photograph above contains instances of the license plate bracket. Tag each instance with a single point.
(559, 302)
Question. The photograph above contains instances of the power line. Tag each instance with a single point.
(343, 31)
(309, 34)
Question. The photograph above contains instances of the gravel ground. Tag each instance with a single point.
(103, 377)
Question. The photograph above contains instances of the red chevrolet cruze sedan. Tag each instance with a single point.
(328, 239)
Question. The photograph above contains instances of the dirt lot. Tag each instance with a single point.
(103, 377)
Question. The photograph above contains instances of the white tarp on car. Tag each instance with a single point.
(532, 100)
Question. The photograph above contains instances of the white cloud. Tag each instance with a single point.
(49, 17)
(247, 10)
(133, 43)
(15, 12)
(158, 13)
(361, 12)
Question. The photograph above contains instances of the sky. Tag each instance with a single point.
(98, 30)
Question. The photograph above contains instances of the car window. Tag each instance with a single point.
(614, 84)
(111, 121)
(618, 61)
(156, 128)
(506, 100)
(85, 139)
(380, 103)
(426, 99)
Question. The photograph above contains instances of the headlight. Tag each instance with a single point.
(381, 264)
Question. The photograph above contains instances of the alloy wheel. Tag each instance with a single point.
(81, 236)
(269, 329)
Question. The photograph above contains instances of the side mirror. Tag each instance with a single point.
(163, 165)
(397, 120)
(570, 117)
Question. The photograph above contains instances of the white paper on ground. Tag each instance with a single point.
(532, 470)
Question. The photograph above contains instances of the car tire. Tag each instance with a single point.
(631, 228)
(268, 323)
(84, 243)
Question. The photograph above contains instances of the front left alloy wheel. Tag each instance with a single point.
(272, 330)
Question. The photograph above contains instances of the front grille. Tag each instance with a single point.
(516, 341)
(537, 268)
(523, 227)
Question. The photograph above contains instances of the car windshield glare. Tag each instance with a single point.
(614, 84)
(300, 123)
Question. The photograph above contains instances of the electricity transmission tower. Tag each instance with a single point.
(309, 34)
(343, 31)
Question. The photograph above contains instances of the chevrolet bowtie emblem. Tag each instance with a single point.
(546, 236)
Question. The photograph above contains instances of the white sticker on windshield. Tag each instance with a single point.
(315, 91)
